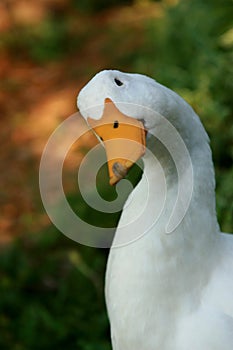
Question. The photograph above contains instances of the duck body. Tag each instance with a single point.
(168, 292)
(166, 289)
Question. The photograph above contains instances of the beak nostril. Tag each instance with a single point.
(116, 124)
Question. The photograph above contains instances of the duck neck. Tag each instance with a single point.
(176, 188)
(186, 160)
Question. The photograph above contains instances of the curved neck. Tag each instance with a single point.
(176, 188)
(187, 168)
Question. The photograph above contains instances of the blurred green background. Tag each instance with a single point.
(51, 288)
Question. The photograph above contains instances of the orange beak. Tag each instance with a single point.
(123, 137)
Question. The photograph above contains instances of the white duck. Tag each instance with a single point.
(165, 291)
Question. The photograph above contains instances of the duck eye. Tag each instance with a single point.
(118, 82)
(116, 124)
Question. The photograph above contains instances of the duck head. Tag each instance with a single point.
(113, 104)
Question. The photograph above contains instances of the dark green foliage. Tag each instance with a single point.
(48, 301)
(91, 6)
(48, 40)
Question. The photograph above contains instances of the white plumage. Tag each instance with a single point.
(166, 291)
